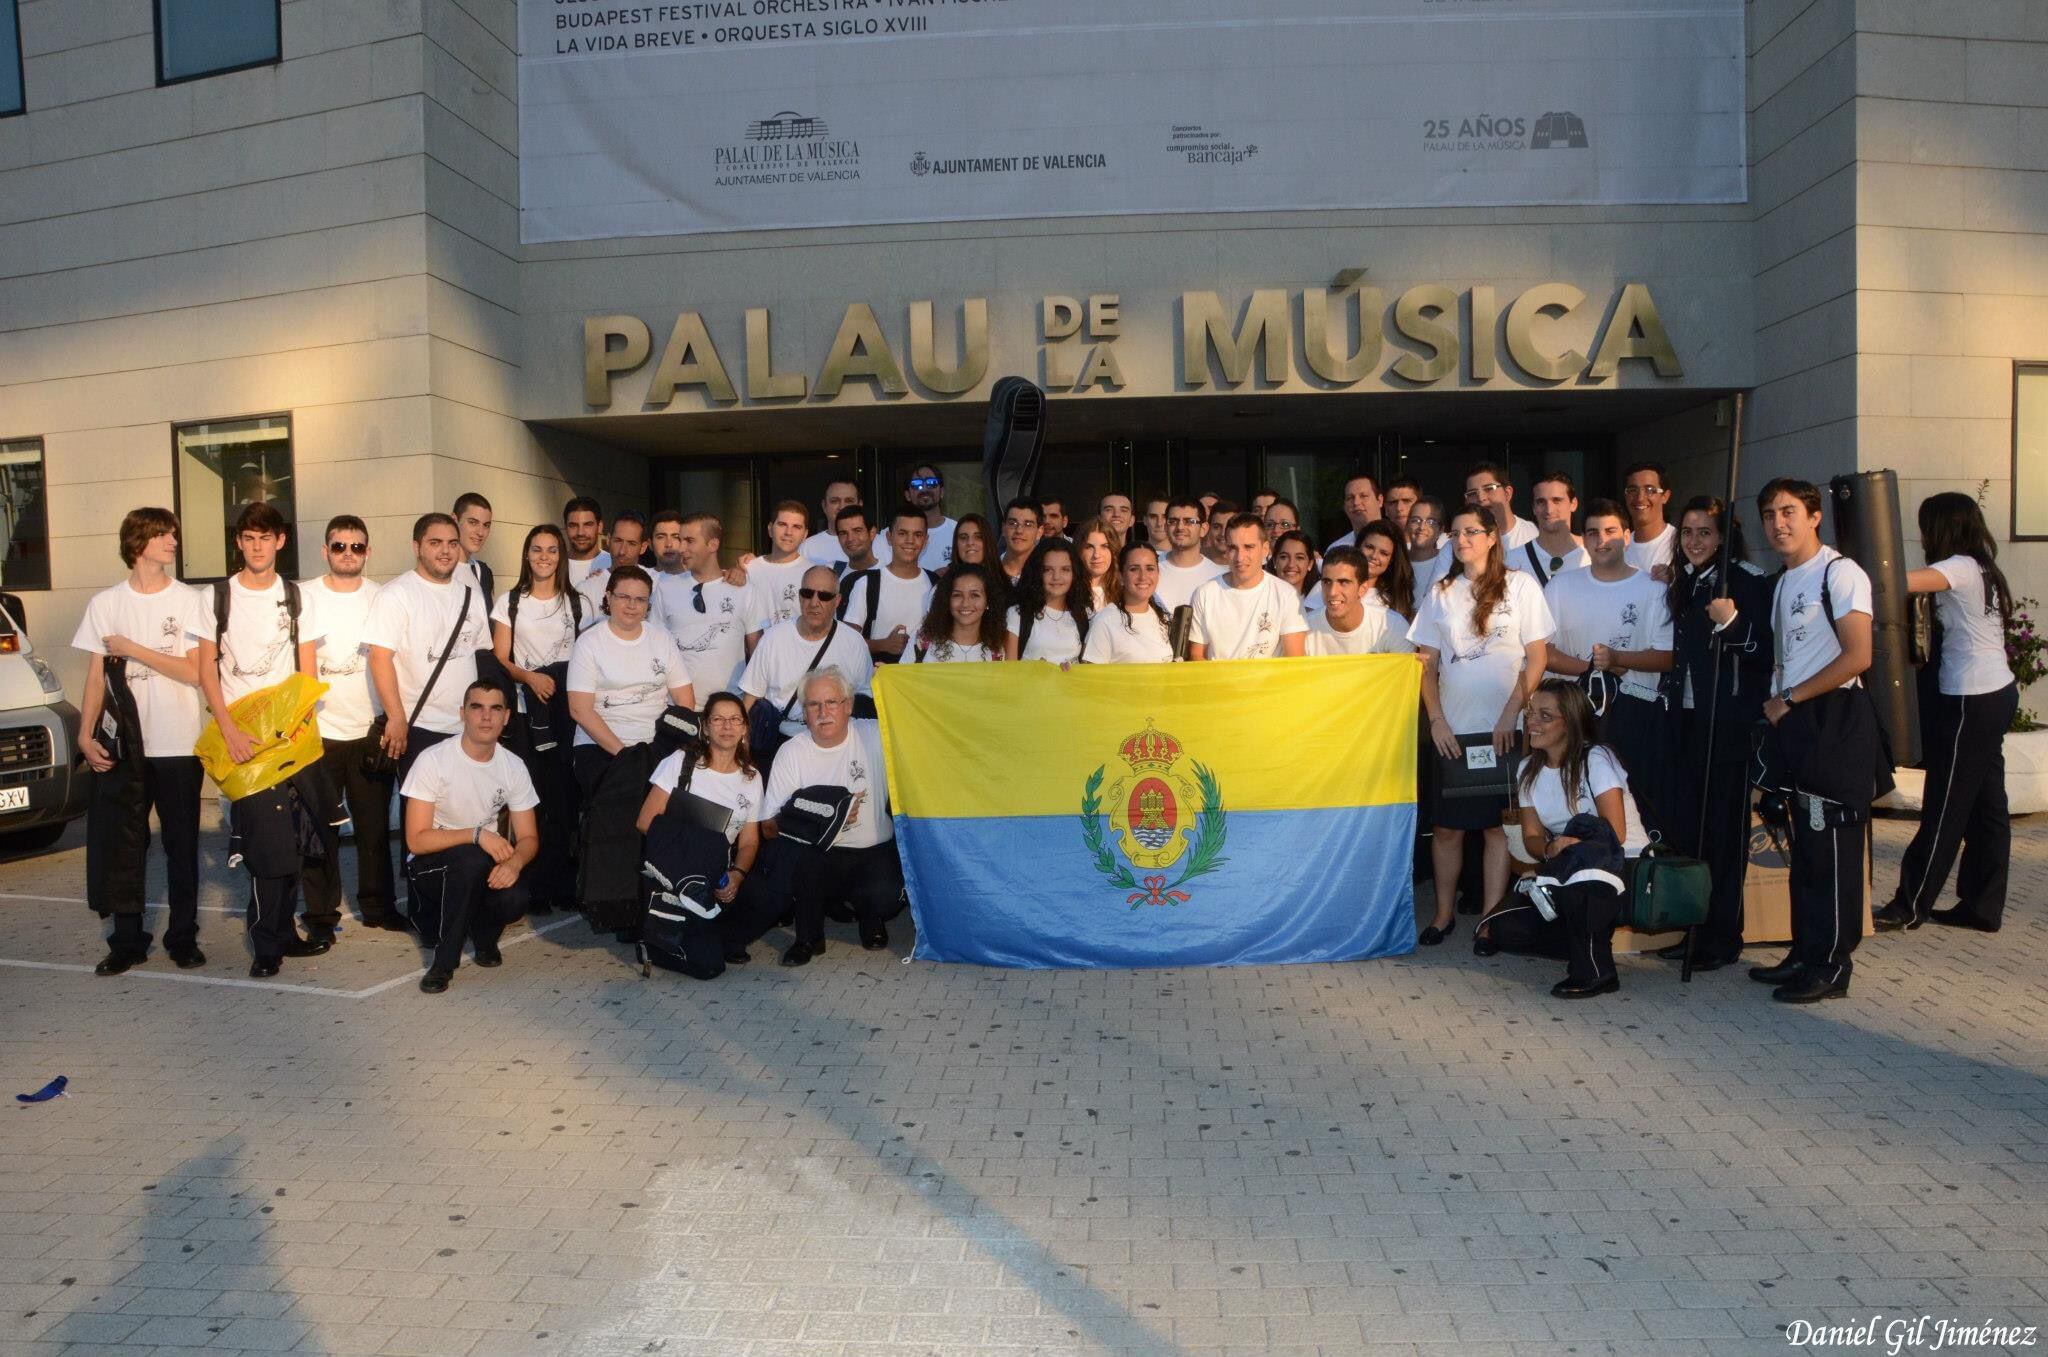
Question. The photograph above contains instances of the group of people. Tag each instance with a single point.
(530, 730)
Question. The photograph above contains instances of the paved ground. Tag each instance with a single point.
(869, 1157)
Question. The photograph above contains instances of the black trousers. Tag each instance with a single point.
(171, 787)
(1640, 733)
(867, 881)
(553, 871)
(1965, 809)
(369, 806)
(1725, 847)
(1827, 892)
(1582, 934)
(452, 886)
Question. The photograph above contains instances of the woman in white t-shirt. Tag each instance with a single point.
(724, 774)
(1568, 773)
(1481, 632)
(1134, 631)
(1050, 619)
(960, 628)
(1389, 578)
(1096, 543)
(1294, 561)
(1965, 810)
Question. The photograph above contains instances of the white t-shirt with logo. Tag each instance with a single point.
(1246, 624)
(1659, 550)
(630, 680)
(1518, 559)
(1055, 636)
(1972, 640)
(938, 547)
(464, 793)
(171, 713)
(579, 571)
(714, 641)
(412, 617)
(1177, 584)
(822, 548)
(771, 590)
(855, 763)
(1119, 637)
(903, 602)
(546, 630)
(351, 701)
(1380, 631)
(1476, 673)
(256, 650)
(1603, 774)
(947, 652)
(739, 791)
(1628, 614)
(1806, 644)
(782, 658)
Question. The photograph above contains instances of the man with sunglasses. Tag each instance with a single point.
(1653, 542)
(1552, 502)
(814, 639)
(344, 595)
(926, 488)
(1487, 487)
(705, 612)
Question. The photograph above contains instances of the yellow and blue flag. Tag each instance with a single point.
(1223, 813)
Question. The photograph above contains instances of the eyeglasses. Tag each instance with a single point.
(1182, 521)
(925, 482)
(1019, 524)
(349, 548)
(1642, 491)
(1469, 533)
(818, 595)
(1474, 492)
(1425, 520)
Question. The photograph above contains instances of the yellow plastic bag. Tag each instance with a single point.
(281, 720)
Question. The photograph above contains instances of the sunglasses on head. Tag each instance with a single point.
(818, 595)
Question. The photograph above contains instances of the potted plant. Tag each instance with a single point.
(2026, 745)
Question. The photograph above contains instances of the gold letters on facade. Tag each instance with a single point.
(1316, 338)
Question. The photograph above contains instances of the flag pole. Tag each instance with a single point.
(1715, 648)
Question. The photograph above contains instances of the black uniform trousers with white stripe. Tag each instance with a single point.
(453, 899)
(1965, 809)
(1826, 884)
(1582, 935)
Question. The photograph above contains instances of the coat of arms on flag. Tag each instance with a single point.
(1166, 806)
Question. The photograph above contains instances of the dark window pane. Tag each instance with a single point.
(195, 37)
(2030, 451)
(221, 466)
(10, 58)
(24, 516)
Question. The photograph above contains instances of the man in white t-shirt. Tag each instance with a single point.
(1155, 524)
(1363, 504)
(706, 613)
(1429, 552)
(472, 515)
(772, 580)
(471, 832)
(1553, 500)
(926, 488)
(822, 547)
(1350, 623)
(1184, 568)
(1116, 510)
(1400, 501)
(791, 649)
(1821, 663)
(888, 603)
(1614, 635)
(254, 630)
(415, 620)
(1023, 529)
(664, 555)
(583, 526)
(1247, 614)
(1054, 520)
(628, 544)
(1487, 486)
(860, 868)
(861, 543)
(1653, 542)
(137, 722)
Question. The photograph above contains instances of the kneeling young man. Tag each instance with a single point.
(464, 867)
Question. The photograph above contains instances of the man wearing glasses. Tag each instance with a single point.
(702, 610)
(1487, 487)
(344, 597)
(1429, 552)
(1652, 541)
(1023, 526)
(1185, 568)
(926, 488)
(1552, 502)
(811, 640)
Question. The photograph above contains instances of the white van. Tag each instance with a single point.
(44, 784)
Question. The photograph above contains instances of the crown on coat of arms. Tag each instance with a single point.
(1150, 750)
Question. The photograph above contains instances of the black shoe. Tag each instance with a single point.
(1811, 988)
(263, 968)
(309, 947)
(1958, 917)
(874, 939)
(1782, 973)
(1580, 989)
(1432, 935)
(1484, 945)
(797, 955)
(1894, 918)
(116, 962)
(435, 982)
(488, 957)
(737, 956)
(188, 961)
(1675, 952)
(1707, 961)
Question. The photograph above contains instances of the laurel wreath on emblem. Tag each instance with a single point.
(1205, 853)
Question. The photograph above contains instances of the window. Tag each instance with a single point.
(219, 466)
(208, 37)
(2029, 452)
(24, 516)
(11, 100)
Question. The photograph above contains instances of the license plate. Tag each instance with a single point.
(13, 798)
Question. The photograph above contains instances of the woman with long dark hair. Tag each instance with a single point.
(961, 626)
(1482, 632)
(1294, 561)
(971, 538)
(1728, 694)
(724, 775)
(1965, 808)
(1133, 630)
(1049, 617)
(534, 626)
(1389, 577)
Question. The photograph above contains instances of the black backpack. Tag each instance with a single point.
(223, 595)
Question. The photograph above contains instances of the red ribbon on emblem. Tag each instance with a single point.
(1155, 893)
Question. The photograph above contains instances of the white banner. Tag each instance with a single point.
(716, 115)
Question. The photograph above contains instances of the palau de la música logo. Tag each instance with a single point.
(1166, 810)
